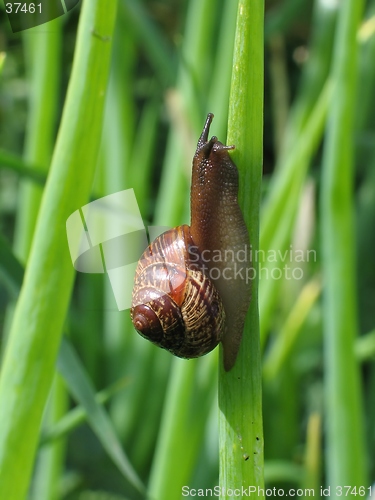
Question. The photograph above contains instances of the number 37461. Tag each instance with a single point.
(19, 8)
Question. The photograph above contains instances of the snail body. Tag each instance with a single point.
(191, 289)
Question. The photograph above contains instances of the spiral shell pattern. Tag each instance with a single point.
(174, 304)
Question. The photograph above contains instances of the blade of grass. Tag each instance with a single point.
(81, 388)
(34, 338)
(42, 50)
(17, 164)
(143, 154)
(78, 415)
(346, 457)
(50, 460)
(189, 397)
(43, 56)
(79, 385)
(288, 334)
(313, 454)
(280, 91)
(240, 399)
(218, 99)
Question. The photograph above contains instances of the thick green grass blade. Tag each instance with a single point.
(34, 338)
(240, 396)
(80, 387)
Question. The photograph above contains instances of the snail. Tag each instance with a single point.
(191, 290)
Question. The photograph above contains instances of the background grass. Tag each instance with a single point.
(171, 63)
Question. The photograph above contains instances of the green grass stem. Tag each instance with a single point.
(28, 367)
(188, 402)
(43, 50)
(313, 454)
(346, 457)
(75, 417)
(50, 459)
(240, 399)
(287, 336)
(43, 54)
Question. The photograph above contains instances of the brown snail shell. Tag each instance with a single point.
(175, 305)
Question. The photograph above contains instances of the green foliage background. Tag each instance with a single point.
(123, 420)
